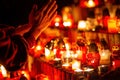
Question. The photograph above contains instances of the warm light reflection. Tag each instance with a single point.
(88, 69)
(66, 65)
(78, 70)
(57, 59)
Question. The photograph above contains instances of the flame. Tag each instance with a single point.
(38, 47)
(47, 52)
(76, 65)
(4, 71)
(91, 3)
(82, 25)
(26, 74)
(67, 23)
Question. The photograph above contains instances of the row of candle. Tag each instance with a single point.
(77, 58)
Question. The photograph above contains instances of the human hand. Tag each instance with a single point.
(40, 19)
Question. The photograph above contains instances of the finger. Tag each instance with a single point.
(34, 9)
(47, 21)
(39, 16)
(52, 11)
(53, 16)
(41, 13)
(45, 7)
(52, 5)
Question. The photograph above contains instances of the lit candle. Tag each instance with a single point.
(76, 65)
(105, 57)
(112, 25)
(3, 70)
(79, 52)
(47, 54)
(26, 74)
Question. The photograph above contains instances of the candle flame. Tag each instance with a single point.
(47, 52)
(26, 74)
(76, 65)
(4, 71)
(38, 47)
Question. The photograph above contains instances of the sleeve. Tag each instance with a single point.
(13, 51)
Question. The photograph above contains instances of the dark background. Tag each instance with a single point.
(15, 12)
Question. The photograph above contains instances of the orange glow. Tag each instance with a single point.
(88, 69)
(47, 52)
(58, 19)
(67, 46)
(3, 70)
(26, 74)
(67, 23)
(38, 47)
(112, 25)
(33, 47)
(57, 24)
(66, 65)
(82, 25)
(90, 3)
(76, 65)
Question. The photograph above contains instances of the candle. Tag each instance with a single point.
(3, 70)
(47, 54)
(76, 65)
(112, 25)
(105, 57)
(79, 52)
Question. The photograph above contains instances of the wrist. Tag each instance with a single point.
(36, 33)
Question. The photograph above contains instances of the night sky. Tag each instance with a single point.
(15, 12)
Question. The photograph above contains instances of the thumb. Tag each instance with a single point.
(33, 11)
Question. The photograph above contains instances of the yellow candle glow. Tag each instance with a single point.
(47, 52)
(26, 74)
(66, 65)
(78, 70)
(76, 65)
(105, 57)
(112, 25)
(57, 59)
(3, 70)
(88, 69)
(79, 52)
